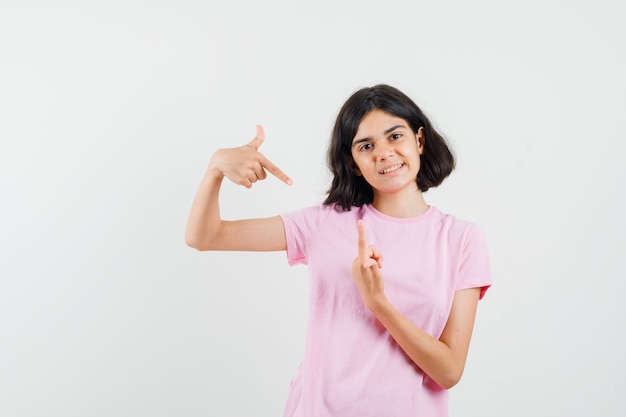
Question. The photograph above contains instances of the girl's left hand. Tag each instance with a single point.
(366, 271)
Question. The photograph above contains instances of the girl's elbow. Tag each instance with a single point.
(196, 244)
(450, 379)
(449, 382)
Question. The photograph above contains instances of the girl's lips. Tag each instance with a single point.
(391, 169)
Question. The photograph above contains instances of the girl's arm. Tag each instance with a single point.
(441, 359)
(205, 228)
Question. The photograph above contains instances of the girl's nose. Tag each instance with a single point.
(384, 151)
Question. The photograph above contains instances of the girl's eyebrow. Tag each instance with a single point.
(386, 132)
(391, 129)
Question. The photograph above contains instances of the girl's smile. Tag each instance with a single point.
(391, 170)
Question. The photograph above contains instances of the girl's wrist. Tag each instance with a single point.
(213, 170)
(379, 304)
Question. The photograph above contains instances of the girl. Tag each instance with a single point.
(394, 282)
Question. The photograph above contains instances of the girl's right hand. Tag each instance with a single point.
(245, 165)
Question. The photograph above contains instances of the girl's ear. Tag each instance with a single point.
(421, 140)
(354, 167)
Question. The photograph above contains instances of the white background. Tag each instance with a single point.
(110, 111)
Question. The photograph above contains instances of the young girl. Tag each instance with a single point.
(394, 282)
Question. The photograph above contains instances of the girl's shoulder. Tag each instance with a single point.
(464, 231)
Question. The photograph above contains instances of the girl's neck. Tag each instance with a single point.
(400, 205)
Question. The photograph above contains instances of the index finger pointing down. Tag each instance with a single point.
(277, 172)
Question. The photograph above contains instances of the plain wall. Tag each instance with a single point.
(110, 112)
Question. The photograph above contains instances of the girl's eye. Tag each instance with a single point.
(365, 147)
(396, 136)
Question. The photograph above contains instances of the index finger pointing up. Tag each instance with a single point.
(362, 242)
(368, 254)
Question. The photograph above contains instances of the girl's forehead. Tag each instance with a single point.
(378, 121)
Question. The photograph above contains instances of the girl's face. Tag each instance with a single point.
(387, 153)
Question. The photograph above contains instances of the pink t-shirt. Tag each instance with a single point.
(352, 367)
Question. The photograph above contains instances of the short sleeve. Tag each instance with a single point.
(474, 266)
(299, 228)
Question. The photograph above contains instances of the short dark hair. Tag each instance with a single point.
(348, 189)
